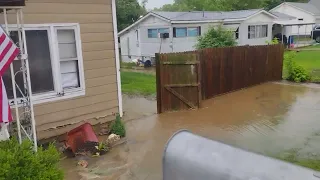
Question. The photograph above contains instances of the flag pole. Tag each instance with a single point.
(13, 83)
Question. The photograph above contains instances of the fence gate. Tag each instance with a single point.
(178, 81)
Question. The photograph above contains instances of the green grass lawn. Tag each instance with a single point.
(127, 65)
(317, 46)
(310, 60)
(292, 156)
(136, 83)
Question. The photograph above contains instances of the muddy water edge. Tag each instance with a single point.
(271, 119)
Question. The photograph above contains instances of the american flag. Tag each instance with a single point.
(8, 51)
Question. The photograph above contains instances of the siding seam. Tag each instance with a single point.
(94, 112)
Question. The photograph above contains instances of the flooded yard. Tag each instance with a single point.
(271, 119)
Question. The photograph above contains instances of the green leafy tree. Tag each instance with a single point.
(216, 37)
(128, 12)
(222, 5)
(269, 4)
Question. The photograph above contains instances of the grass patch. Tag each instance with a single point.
(127, 65)
(310, 60)
(317, 46)
(292, 157)
(135, 83)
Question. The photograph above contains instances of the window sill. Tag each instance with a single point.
(258, 38)
(46, 98)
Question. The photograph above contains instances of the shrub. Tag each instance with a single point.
(21, 162)
(216, 37)
(118, 127)
(295, 72)
(273, 41)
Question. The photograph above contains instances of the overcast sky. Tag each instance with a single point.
(157, 3)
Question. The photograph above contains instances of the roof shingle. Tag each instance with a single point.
(310, 7)
(206, 15)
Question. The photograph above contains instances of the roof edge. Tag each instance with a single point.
(140, 20)
(277, 6)
(292, 5)
(262, 11)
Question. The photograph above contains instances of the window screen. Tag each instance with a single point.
(181, 32)
(68, 58)
(193, 32)
(152, 33)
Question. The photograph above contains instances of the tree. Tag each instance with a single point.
(222, 5)
(269, 4)
(216, 37)
(128, 12)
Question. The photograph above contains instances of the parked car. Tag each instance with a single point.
(316, 33)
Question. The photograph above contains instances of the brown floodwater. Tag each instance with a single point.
(271, 118)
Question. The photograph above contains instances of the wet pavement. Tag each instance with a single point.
(271, 118)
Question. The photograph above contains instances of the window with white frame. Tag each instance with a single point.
(154, 33)
(257, 31)
(55, 62)
(186, 31)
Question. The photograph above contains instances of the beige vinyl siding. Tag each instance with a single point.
(101, 101)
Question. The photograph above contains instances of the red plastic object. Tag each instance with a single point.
(82, 138)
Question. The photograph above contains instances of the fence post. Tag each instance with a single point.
(202, 74)
(199, 67)
(158, 83)
(281, 60)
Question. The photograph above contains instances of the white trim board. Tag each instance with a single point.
(116, 49)
(261, 11)
(140, 20)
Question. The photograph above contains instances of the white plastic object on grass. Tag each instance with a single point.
(4, 133)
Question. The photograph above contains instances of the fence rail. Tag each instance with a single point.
(183, 79)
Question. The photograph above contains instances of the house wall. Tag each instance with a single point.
(292, 11)
(100, 101)
(147, 47)
(130, 45)
(188, 43)
(144, 46)
(260, 19)
(150, 46)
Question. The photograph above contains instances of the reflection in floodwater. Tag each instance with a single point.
(269, 119)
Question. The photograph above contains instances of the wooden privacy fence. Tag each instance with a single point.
(178, 81)
(233, 68)
(222, 70)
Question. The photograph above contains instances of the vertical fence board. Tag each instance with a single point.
(158, 83)
(235, 68)
(203, 74)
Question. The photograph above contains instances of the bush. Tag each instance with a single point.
(118, 127)
(295, 72)
(273, 41)
(20, 162)
(216, 37)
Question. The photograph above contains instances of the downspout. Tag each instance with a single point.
(116, 49)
